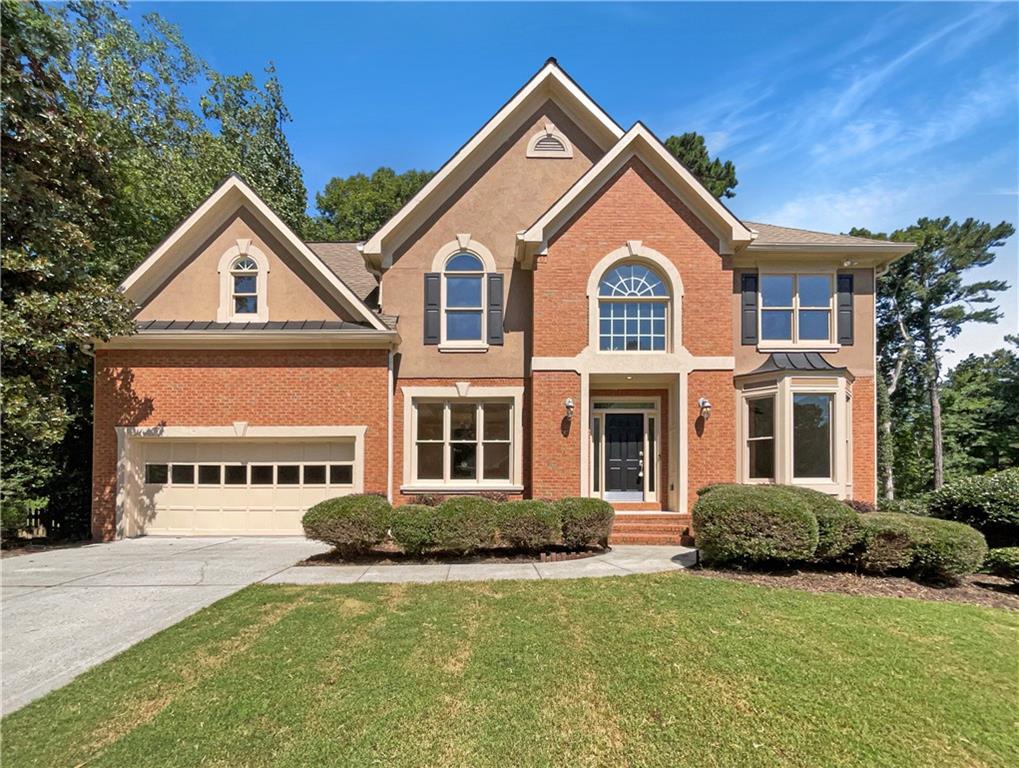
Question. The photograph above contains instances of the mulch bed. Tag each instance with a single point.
(978, 589)
(384, 555)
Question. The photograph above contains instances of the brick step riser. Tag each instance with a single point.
(653, 529)
(644, 538)
(668, 519)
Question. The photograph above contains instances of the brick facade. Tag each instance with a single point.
(711, 444)
(555, 441)
(864, 440)
(217, 387)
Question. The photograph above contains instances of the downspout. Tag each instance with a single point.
(389, 432)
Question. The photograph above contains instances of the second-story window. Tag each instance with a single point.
(463, 298)
(796, 308)
(244, 286)
(633, 307)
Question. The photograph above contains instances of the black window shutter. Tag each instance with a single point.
(433, 307)
(748, 307)
(845, 310)
(495, 309)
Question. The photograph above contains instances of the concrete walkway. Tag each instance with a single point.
(621, 560)
(65, 611)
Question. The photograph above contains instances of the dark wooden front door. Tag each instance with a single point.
(624, 451)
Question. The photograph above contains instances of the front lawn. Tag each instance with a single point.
(663, 670)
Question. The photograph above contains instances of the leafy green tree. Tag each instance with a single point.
(923, 302)
(718, 176)
(355, 207)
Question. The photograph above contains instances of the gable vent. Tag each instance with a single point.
(549, 144)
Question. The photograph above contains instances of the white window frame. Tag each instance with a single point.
(462, 392)
(247, 475)
(769, 393)
(636, 404)
(463, 244)
(830, 344)
(225, 313)
(480, 440)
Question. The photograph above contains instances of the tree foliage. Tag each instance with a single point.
(103, 153)
(718, 176)
(355, 207)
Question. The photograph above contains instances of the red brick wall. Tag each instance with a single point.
(399, 427)
(555, 470)
(218, 387)
(711, 444)
(635, 205)
(864, 440)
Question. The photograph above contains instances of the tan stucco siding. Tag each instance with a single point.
(193, 291)
(858, 358)
(507, 194)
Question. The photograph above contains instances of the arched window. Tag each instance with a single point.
(464, 301)
(244, 286)
(633, 308)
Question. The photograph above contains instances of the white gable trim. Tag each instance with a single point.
(549, 81)
(231, 195)
(638, 141)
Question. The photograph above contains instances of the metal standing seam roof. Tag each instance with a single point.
(783, 362)
(771, 234)
(195, 326)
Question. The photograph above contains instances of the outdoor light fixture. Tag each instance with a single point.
(705, 407)
(569, 408)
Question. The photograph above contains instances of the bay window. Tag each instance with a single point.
(761, 438)
(812, 436)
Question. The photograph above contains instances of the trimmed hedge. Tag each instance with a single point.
(924, 547)
(754, 524)
(528, 524)
(989, 503)
(464, 524)
(586, 522)
(352, 524)
(413, 527)
(916, 507)
(1003, 562)
(839, 529)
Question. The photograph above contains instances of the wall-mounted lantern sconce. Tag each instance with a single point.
(705, 407)
(569, 408)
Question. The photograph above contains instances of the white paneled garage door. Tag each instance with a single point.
(238, 487)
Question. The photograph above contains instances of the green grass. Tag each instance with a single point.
(644, 670)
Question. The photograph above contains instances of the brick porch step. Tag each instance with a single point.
(650, 528)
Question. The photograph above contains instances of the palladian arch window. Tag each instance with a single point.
(244, 286)
(464, 276)
(633, 308)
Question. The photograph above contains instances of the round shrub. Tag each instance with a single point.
(586, 522)
(839, 528)
(917, 506)
(747, 523)
(990, 503)
(413, 527)
(464, 524)
(928, 548)
(528, 524)
(352, 524)
(1003, 562)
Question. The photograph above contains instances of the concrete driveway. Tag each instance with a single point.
(65, 611)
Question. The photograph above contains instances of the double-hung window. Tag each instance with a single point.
(244, 286)
(463, 441)
(812, 435)
(761, 438)
(796, 309)
(464, 298)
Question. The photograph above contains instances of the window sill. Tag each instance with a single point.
(780, 347)
(469, 348)
(461, 488)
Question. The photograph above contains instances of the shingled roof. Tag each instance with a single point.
(772, 235)
(346, 262)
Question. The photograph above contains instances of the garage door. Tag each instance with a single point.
(238, 487)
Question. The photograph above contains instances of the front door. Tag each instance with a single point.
(624, 454)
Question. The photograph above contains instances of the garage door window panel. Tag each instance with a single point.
(157, 474)
(210, 474)
(341, 474)
(262, 474)
(288, 474)
(182, 474)
(315, 474)
(235, 474)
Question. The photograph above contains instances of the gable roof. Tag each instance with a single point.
(226, 200)
(549, 82)
(773, 237)
(346, 262)
(642, 143)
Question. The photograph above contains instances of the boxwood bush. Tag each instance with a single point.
(839, 528)
(528, 524)
(413, 527)
(352, 524)
(586, 522)
(990, 503)
(754, 524)
(924, 547)
(1003, 562)
(464, 524)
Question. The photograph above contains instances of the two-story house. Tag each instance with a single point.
(562, 310)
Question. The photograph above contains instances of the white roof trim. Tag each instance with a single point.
(224, 201)
(732, 233)
(551, 78)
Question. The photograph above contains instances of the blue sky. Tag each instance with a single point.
(835, 114)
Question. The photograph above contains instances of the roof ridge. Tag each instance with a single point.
(815, 231)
